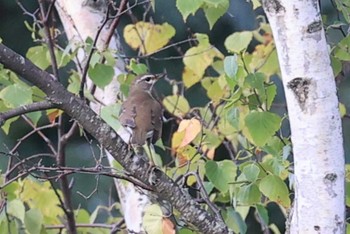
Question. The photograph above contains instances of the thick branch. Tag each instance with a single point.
(138, 167)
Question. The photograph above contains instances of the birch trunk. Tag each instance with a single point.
(314, 116)
(82, 19)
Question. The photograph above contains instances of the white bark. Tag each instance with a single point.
(81, 19)
(314, 116)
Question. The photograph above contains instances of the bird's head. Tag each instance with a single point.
(145, 82)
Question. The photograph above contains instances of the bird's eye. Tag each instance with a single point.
(147, 79)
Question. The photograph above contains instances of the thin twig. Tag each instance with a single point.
(93, 49)
(205, 195)
(115, 22)
(82, 225)
(36, 106)
(35, 130)
(45, 17)
(24, 161)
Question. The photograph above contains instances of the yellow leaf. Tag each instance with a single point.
(177, 105)
(342, 110)
(176, 140)
(200, 57)
(209, 152)
(148, 37)
(191, 127)
(184, 155)
(189, 77)
(152, 219)
(40, 195)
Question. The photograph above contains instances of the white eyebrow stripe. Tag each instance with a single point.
(146, 76)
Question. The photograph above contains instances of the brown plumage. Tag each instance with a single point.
(141, 113)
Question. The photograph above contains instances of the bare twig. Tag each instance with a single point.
(35, 130)
(105, 171)
(93, 49)
(45, 17)
(82, 225)
(28, 159)
(41, 134)
(115, 22)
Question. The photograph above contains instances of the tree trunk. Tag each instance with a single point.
(82, 19)
(314, 116)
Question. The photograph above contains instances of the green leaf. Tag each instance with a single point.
(110, 115)
(221, 174)
(34, 116)
(62, 59)
(212, 140)
(33, 221)
(274, 146)
(262, 211)
(215, 2)
(336, 65)
(271, 92)
(232, 117)
(12, 227)
(74, 83)
(82, 216)
(262, 126)
(6, 126)
(138, 68)
(238, 41)
(188, 7)
(101, 75)
(176, 104)
(234, 221)
(11, 190)
(275, 189)
(347, 193)
(249, 194)
(185, 231)
(342, 51)
(16, 95)
(37, 55)
(231, 66)
(256, 81)
(251, 172)
(214, 91)
(16, 209)
(214, 12)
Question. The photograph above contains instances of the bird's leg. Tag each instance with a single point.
(151, 150)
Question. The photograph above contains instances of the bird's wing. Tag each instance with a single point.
(157, 115)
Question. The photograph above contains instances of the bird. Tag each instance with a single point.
(141, 113)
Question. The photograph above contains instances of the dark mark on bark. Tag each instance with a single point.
(273, 6)
(331, 177)
(314, 27)
(300, 87)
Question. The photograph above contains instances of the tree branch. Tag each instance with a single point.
(36, 106)
(164, 188)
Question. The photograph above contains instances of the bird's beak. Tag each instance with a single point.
(160, 75)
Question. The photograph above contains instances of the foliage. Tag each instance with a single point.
(253, 171)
